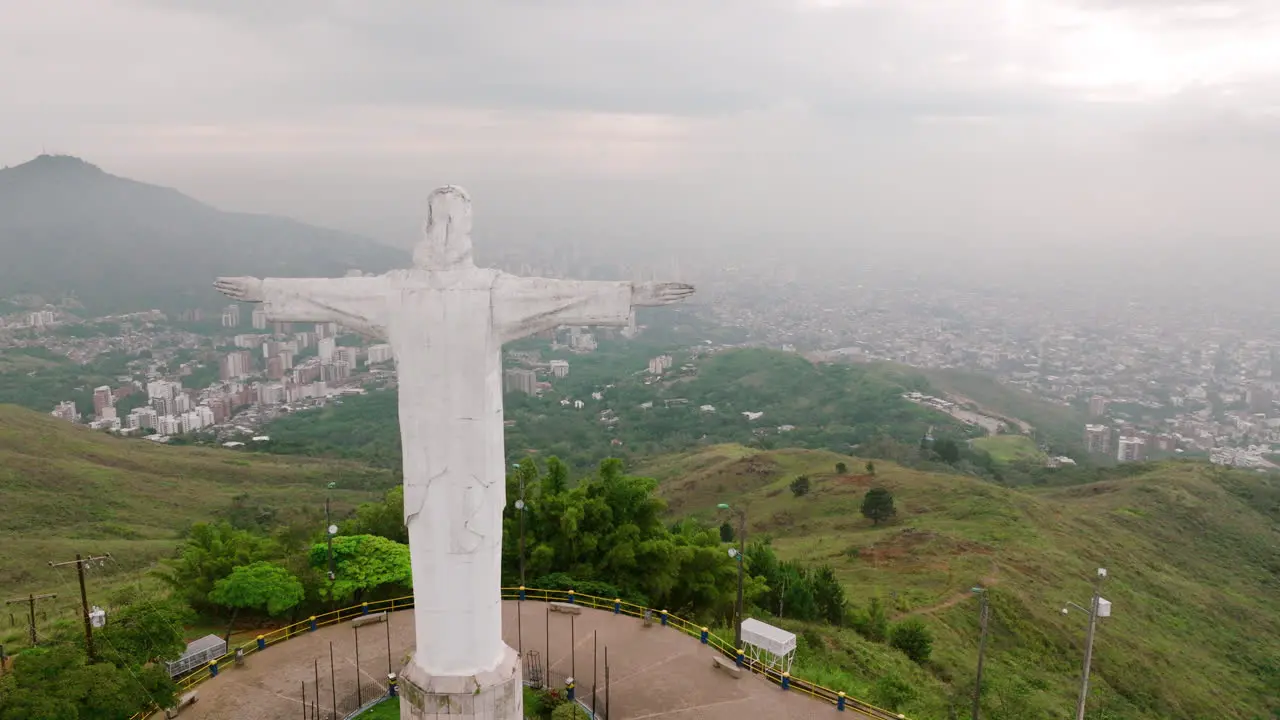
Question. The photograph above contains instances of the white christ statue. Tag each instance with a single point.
(446, 321)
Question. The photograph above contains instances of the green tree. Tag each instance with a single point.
(726, 531)
(211, 551)
(363, 564)
(384, 519)
(947, 450)
(871, 468)
(877, 505)
(800, 486)
(874, 625)
(57, 683)
(259, 586)
(842, 468)
(143, 630)
(829, 596)
(912, 637)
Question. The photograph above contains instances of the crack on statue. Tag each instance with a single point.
(474, 499)
(422, 501)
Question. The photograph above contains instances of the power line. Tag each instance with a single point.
(31, 603)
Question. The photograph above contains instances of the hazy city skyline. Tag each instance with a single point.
(964, 126)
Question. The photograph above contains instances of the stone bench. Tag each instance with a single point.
(183, 703)
(723, 663)
(370, 619)
(566, 608)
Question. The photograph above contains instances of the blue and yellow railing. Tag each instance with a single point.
(840, 700)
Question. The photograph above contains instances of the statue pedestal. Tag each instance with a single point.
(494, 695)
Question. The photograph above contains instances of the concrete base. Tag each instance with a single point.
(494, 695)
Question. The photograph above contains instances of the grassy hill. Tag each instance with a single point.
(1193, 553)
(64, 490)
(833, 406)
(1005, 449)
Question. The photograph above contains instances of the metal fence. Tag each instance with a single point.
(785, 680)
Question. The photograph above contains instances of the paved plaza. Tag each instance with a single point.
(654, 672)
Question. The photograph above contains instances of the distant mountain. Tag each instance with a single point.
(67, 228)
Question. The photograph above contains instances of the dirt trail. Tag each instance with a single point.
(990, 580)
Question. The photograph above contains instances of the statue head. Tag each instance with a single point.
(446, 236)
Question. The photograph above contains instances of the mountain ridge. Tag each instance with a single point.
(69, 229)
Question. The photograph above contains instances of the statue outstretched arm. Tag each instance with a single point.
(523, 306)
(356, 302)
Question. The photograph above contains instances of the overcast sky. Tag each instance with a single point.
(858, 123)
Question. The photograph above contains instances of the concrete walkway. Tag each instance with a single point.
(654, 672)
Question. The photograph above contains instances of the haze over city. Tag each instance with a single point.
(1046, 133)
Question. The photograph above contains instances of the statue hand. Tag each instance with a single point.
(650, 294)
(244, 289)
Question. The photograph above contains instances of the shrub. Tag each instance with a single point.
(891, 693)
(800, 486)
(570, 711)
(912, 637)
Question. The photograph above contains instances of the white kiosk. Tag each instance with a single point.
(770, 646)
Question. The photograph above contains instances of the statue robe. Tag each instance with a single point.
(446, 328)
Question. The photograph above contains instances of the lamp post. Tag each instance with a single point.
(330, 531)
(1098, 608)
(739, 554)
(520, 509)
(981, 592)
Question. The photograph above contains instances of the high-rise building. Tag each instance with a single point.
(160, 389)
(1097, 439)
(348, 355)
(1097, 406)
(519, 380)
(660, 364)
(142, 417)
(66, 410)
(325, 348)
(259, 318)
(560, 368)
(102, 398)
(281, 328)
(275, 368)
(378, 354)
(1131, 449)
(248, 341)
(235, 365)
(271, 394)
(168, 425)
(335, 371)
(231, 316)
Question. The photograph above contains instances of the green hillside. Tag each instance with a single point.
(1193, 553)
(65, 489)
(830, 406)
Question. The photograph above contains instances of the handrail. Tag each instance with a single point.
(616, 605)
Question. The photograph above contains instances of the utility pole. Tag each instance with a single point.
(1088, 646)
(329, 530)
(30, 600)
(982, 651)
(79, 562)
(740, 555)
(520, 505)
(1100, 607)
